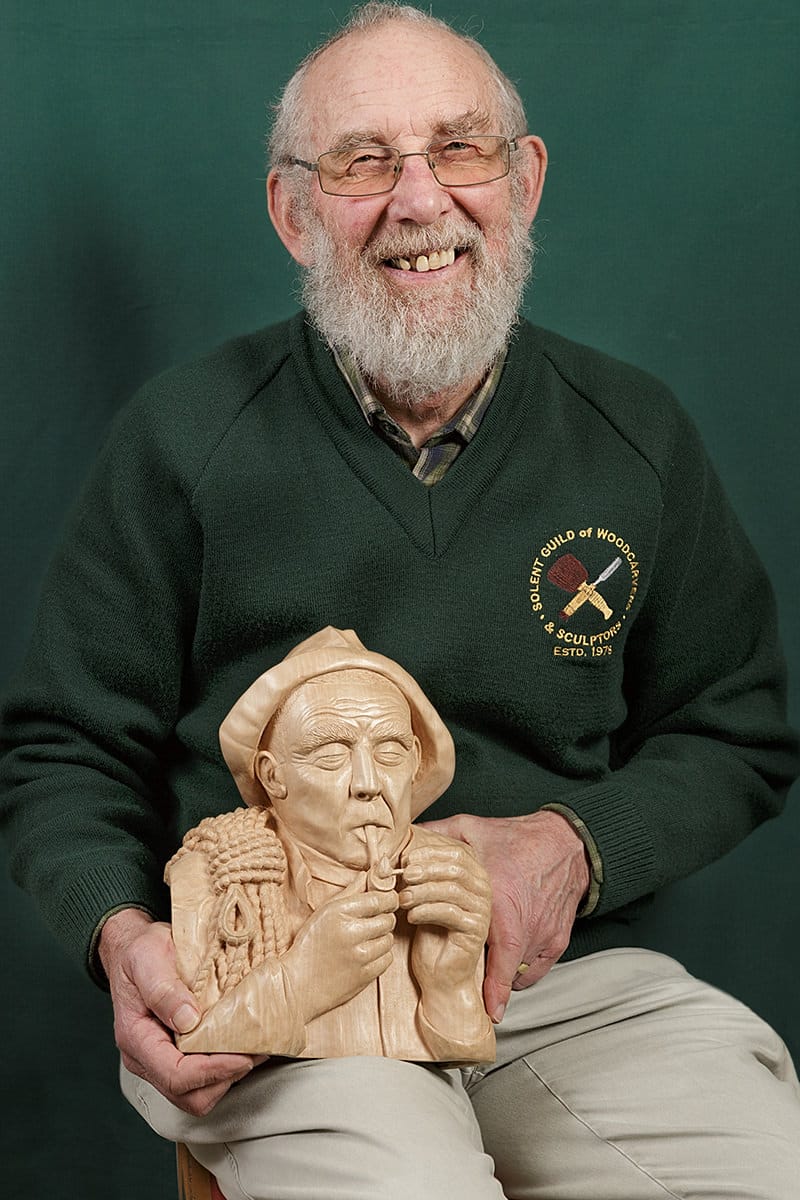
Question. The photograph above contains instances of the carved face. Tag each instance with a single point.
(342, 755)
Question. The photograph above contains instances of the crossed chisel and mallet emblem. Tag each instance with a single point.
(569, 573)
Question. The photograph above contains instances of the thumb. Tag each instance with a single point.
(153, 973)
(497, 983)
(502, 961)
(449, 826)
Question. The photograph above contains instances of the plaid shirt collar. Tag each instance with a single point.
(431, 461)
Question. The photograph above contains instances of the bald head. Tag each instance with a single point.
(292, 129)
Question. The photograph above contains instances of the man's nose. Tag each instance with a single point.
(417, 196)
(364, 783)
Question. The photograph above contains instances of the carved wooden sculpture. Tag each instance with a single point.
(318, 921)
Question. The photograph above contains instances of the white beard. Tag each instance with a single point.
(413, 346)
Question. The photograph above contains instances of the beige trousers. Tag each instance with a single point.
(618, 1077)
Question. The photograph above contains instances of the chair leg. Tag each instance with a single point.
(194, 1181)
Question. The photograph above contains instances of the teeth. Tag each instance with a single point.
(426, 262)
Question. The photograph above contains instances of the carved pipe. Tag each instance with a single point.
(380, 877)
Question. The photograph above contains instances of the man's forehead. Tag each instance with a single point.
(395, 81)
(348, 694)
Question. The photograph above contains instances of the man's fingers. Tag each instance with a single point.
(449, 916)
(201, 1102)
(506, 946)
(365, 904)
(198, 1102)
(448, 890)
(190, 1075)
(467, 875)
(164, 1063)
(376, 948)
(193, 1082)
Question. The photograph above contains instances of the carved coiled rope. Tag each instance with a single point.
(247, 865)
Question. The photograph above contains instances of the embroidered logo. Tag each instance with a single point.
(570, 574)
(583, 617)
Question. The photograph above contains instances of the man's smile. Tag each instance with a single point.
(434, 260)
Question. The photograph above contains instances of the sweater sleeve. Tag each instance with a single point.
(88, 721)
(704, 754)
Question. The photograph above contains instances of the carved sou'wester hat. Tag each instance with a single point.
(327, 651)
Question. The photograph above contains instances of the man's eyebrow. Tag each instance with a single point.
(389, 730)
(359, 137)
(474, 120)
(326, 732)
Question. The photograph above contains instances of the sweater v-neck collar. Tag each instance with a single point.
(430, 516)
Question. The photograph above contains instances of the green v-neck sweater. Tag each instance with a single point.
(243, 502)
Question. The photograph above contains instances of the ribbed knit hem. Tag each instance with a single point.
(614, 819)
(99, 890)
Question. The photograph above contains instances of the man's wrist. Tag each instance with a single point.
(117, 927)
(592, 857)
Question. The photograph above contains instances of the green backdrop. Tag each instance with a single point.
(134, 236)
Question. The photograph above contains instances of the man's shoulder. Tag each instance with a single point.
(600, 377)
(179, 416)
(640, 407)
(223, 379)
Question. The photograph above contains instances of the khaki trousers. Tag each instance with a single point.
(618, 1077)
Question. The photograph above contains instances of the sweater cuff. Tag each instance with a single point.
(98, 892)
(613, 814)
(595, 861)
(94, 963)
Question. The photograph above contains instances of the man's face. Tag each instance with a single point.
(414, 332)
(342, 755)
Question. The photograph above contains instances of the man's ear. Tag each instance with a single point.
(284, 213)
(417, 750)
(535, 167)
(268, 770)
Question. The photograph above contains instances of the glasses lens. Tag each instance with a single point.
(358, 171)
(471, 160)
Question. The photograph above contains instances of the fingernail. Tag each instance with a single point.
(185, 1018)
(497, 1015)
(413, 874)
(404, 897)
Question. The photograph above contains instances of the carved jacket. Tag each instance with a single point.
(262, 1015)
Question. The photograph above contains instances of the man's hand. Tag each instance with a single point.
(539, 874)
(344, 946)
(446, 895)
(446, 892)
(149, 1000)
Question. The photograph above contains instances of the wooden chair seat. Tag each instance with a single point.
(194, 1181)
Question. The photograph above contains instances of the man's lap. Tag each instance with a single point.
(621, 1077)
(618, 1076)
(338, 1129)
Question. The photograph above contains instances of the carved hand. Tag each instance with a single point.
(149, 1000)
(446, 893)
(344, 946)
(539, 874)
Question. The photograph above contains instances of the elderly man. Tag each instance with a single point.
(535, 532)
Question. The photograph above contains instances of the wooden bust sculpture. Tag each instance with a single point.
(319, 922)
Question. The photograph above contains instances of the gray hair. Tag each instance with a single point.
(290, 129)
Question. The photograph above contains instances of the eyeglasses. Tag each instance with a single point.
(373, 170)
